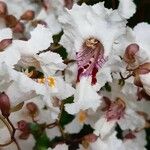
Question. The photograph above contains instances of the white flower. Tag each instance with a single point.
(85, 97)
(89, 34)
(18, 86)
(92, 23)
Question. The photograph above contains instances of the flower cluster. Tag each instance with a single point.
(73, 76)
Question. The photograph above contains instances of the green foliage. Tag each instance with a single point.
(57, 37)
(62, 52)
(40, 136)
(66, 118)
(107, 87)
(59, 48)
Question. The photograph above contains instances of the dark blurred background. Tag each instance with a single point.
(142, 14)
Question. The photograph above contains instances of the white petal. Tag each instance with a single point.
(63, 89)
(142, 36)
(111, 143)
(85, 97)
(41, 38)
(5, 33)
(103, 127)
(126, 8)
(131, 121)
(50, 62)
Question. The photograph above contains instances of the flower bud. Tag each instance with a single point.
(32, 108)
(19, 28)
(3, 8)
(137, 80)
(142, 69)
(23, 126)
(11, 21)
(28, 15)
(4, 104)
(4, 43)
(131, 50)
(68, 3)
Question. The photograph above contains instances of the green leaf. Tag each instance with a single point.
(40, 136)
(65, 118)
(87, 129)
(68, 100)
(107, 87)
(62, 52)
(57, 37)
(42, 142)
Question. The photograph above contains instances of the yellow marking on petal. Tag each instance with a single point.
(82, 116)
(50, 80)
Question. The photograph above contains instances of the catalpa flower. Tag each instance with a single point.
(120, 109)
(136, 55)
(89, 33)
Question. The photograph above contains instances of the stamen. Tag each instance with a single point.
(116, 110)
(50, 80)
(90, 59)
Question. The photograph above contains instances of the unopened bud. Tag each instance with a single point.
(142, 69)
(11, 21)
(3, 8)
(19, 28)
(137, 81)
(28, 15)
(4, 104)
(68, 3)
(23, 126)
(130, 52)
(32, 108)
(4, 43)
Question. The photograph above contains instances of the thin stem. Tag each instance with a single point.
(59, 116)
(125, 78)
(9, 129)
(13, 133)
